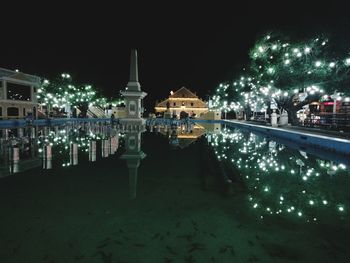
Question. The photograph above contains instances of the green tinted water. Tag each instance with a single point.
(230, 196)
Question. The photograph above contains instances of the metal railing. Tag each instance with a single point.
(327, 120)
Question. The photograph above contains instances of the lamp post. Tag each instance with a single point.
(335, 96)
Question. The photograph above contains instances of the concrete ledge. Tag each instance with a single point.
(8, 124)
(303, 138)
(162, 121)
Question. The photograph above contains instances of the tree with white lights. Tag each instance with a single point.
(63, 94)
(298, 73)
(287, 75)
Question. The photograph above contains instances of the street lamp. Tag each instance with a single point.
(335, 96)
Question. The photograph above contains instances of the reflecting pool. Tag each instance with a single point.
(198, 193)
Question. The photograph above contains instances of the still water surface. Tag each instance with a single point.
(98, 194)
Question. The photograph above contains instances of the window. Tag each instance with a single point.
(191, 104)
(12, 111)
(24, 111)
(132, 107)
(174, 103)
(0, 111)
(18, 91)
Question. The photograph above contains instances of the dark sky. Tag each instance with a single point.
(196, 46)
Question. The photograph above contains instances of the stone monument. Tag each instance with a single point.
(133, 95)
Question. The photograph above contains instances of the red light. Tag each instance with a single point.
(328, 103)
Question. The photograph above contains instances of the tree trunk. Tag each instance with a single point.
(292, 115)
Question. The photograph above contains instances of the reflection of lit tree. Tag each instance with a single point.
(61, 140)
(281, 180)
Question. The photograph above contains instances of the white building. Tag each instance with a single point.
(18, 94)
(182, 100)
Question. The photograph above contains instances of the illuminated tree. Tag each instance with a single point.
(63, 94)
(298, 73)
(288, 75)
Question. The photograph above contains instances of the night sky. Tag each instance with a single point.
(196, 46)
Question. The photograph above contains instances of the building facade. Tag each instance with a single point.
(182, 101)
(18, 94)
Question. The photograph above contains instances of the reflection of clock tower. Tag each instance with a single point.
(133, 155)
(133, 95)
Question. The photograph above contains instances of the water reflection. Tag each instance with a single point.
(18, 153)
(282, 178)
(31, 147)
(285, 181)
(63, 146)
(181, 136)
(133, 155)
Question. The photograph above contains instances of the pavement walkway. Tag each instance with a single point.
(310, 130)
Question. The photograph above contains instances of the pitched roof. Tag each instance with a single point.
(183, 93)
(18, 75)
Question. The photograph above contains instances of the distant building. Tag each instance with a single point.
(17, 94)
(182, 101)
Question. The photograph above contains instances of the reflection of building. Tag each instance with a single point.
(17, 94)
(210, 127)
(183, 136)
(182, 100)
(133, 155)
(18, 156)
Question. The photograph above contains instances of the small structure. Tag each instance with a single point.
(274, 117)
(133, 95)
(182, 101)
(18, 94)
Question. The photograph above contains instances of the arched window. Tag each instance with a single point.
(12, 111)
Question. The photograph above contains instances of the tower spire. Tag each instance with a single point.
(134, 74)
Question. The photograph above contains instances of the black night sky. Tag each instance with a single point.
(195, 46)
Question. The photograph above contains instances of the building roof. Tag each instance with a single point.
(18, 75)
(183, 93)
(186, 95)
